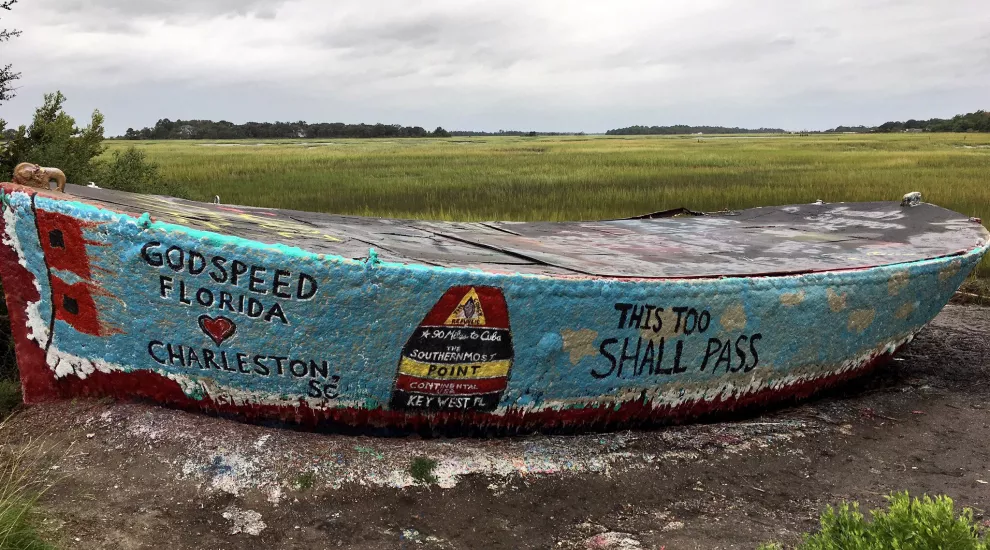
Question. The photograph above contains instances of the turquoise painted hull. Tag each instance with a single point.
(204, 320)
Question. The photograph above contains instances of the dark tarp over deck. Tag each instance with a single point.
(768, 240)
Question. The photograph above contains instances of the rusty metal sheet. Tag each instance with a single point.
(768, 240)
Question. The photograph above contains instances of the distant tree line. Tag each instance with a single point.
(970, 122)
(978, 121)
(208, 129)
(684, 129)
(472, 133)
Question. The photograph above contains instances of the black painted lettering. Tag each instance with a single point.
(677, 358)
(152, 258)
(242, 362)
(741, 353)
(226, 365)
(205, 297)
(659, 362)
(646, 317)
(165, 285)
(260, 367)
(623, 356)
(624, 310)
(192, 357)
(323, 369)
(255, 280)
(606, 354)
(175, 355)
(314, 389)
(306, 288)
(237, 268)
(714, 346)
(278, 284)
(657, 321)
(208, 359)
(276, 311)
(151, 351)
(225, 298)
(182, 293)
(220, 274)
(197, 263)
(704, 319)
(724, 356)
(298, 368)
(636, 317)
(174, 257)
(752, 350)
(679, 311)
(649, 356)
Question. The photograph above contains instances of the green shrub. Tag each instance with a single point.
(909, 524)
(53, 139)
(129, 170)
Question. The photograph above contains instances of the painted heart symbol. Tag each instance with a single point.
(219, 329)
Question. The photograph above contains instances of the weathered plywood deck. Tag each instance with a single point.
(758, 241)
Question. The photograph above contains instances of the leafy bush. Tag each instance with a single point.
(53, 140)
(129, 170)
(910, 524)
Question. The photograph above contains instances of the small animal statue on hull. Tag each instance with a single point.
(39, 177)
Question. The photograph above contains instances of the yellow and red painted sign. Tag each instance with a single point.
(460, 356)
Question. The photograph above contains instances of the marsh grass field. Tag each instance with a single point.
(579, 177)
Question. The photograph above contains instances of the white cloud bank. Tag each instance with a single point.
(465, 64)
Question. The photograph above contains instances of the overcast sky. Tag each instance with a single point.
(568, 65)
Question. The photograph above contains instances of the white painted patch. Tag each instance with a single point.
(244, 521)
(37, 327)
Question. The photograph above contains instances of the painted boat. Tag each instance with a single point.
(339, 321)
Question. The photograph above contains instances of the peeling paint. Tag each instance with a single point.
(861, 319)
(905, 310)
(836, 301)
(898, 282)
(734, 318)
(792, 298)
(579, 343)
(950, 270)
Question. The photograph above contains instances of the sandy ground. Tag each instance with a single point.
(139, 476)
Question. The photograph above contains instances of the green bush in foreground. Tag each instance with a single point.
(910, 524)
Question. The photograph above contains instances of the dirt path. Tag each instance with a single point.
(140, 476)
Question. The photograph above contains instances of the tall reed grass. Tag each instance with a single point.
(571, 178)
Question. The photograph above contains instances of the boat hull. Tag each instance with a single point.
(106, 304)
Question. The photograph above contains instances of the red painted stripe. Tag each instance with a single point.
(404, 382)
(63, 242)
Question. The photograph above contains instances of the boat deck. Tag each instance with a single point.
(759, 241)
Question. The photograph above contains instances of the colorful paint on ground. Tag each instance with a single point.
(464, 326)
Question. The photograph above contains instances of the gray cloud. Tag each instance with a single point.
(169, 8)
(575, 65)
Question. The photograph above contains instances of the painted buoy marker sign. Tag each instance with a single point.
(460, 355)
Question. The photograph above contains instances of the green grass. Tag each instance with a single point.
(305, 481)
(24, 477)
(909, 524)
(571, 178)
(421, 470)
